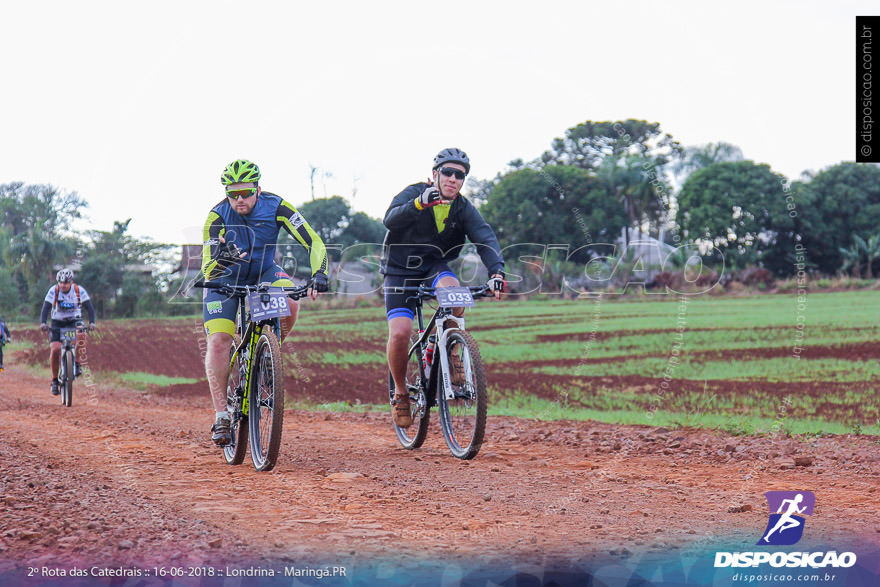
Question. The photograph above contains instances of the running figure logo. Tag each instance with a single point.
(786, 526)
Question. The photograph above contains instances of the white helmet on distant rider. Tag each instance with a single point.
(64, 276)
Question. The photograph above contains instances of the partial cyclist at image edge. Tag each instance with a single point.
(5, 337)
(428, 224)
(64, 302)
(240, 239)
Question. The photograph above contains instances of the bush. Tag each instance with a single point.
(755, 276)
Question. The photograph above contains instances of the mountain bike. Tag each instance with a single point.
(67, 373)
(255, 387)
(445, 369)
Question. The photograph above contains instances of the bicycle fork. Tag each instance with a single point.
(445, 382)
(245, 375)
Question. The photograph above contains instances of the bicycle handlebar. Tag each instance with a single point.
(478, 291)
(79, 327)
(241, 291)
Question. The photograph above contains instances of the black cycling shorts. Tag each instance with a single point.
(55, 333)
(396, 303)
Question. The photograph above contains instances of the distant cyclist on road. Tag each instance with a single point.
(65, 301)
(240, 238)
(5, 337)
(427, 225)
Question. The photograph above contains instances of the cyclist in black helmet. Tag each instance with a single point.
(427, 225)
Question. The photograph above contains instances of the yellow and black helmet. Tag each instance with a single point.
(240, 171)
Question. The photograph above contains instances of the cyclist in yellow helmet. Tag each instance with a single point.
(240, 238)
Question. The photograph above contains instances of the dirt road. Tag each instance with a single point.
(130, 478)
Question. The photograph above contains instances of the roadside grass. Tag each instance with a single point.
(531, 407)
(541, 409)
(345, 358)
(142, 381)
(339, 406)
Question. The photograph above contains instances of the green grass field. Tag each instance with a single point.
(732, 363)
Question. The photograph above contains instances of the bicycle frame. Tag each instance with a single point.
(251, 334)
(69, 343)
(247, 347)
(437, 322)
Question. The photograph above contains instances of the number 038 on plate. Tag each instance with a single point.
(268, 305)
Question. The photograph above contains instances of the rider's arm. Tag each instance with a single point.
(88, 307)
(403, 210)
(293, 222)
(44, 312)
(481, 234)
(213, 230)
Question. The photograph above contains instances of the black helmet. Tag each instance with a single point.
(452, 155)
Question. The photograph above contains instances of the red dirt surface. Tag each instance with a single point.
(131, 478)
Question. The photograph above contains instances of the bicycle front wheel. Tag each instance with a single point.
(266, 409)
(67, 378)
(463, 417)
(234, 452)
(414, 436)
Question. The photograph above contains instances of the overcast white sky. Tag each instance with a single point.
(138, 107)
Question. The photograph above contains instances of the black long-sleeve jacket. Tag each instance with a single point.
(413, 243)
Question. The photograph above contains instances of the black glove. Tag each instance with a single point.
(228, 254)
(430, 197)
(319, 282)
(496, 283)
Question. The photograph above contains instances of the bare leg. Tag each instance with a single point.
(217, 367)
(54, 358)
(288, 321)
(399, 332)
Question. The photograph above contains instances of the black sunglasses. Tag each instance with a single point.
(449, 172)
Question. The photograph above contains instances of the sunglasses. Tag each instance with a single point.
(239, 194)
(449, 172)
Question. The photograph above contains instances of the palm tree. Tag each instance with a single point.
(625, 179)
(871, 249)
(852, 258)
(36, 251)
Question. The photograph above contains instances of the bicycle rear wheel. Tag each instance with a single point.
(266, 409)
(463, 417)
(67, 378)
(234, 452)
(414, 436)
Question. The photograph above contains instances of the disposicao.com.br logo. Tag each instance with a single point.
(784, 528)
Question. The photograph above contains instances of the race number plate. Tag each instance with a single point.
(68, 334)
(455, 297)
(276, 307)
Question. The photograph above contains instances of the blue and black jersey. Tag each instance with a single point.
(257, 235)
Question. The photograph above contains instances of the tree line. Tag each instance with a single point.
(605, 178)
(598, 181)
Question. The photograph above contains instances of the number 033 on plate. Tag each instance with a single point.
(455, 297)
